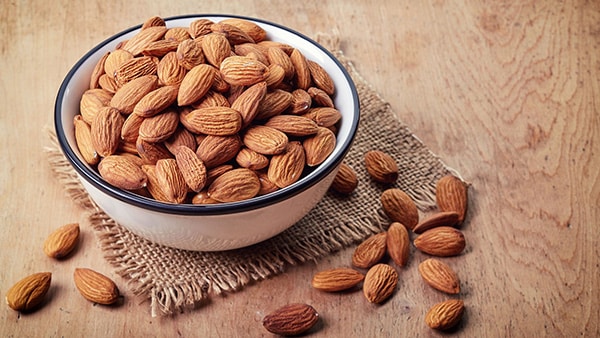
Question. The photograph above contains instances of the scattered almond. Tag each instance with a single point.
(291, 319)
(345, 180)
(62, 241)
(381, 166)
(337, 279)
(400, 207)
(28, 293)
(370, 251)
(439, 275)
(380, 283)
(445, 315)
(398, 243)
(443, 218)
(441, 241)
(95, 286)
(451, 195)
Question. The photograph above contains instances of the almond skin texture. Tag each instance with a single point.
(265, 140)
(106, 131)
(345, 181)
(380, 283)
(441, 241)
(28, 293)
(370, 251)
(122, 172)
(381, 167)
(234, 185)
(291, 319)
(337, 279)
(287, 167)
(439, 276)
(62, 241)
(243, 71)
(195, 84)
(451, 195)
(220, 121)
(192, 168)
(83, 136)
(443, 218)
(319, 146)
(445, 315)
(398, 243)
(400, 207)
(95, 287)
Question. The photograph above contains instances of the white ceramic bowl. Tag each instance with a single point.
(209, 227)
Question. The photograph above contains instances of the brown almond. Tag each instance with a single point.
(277, 56)
(293, 125)
(324, 116)
(266, 186)
(171, 180)
(216, 48)
(400, 207)
(319, 97)
(248, 158)
(337, 279)
(319, 146)
(249, 100)
(380, 283)
(114, 60)
(321, 78)
(215, 150)
(275, 76)
(156, 101)
(135, 68)
(219, 121)
(122, 172)
(181, 137)
(234, 185)
(195, 84)
(253, 30)
(442, 218)
(451, 195)
(445, 315)
(83, 138)
(200, 27)
(62, 241)
(265, 140)
(398, 243)
(439, 276)
(28, 293)
(106, 131)
(93, 100)
(98, 71)
(159, 127)
(95, 287)
(143, 38)
(189, 53)
(131, 93)
(154, 21)
(286, 168)
(192, 168)
(130, 131)
(370, 251)
(160, 48)
(243, 70)
(345, 180)
(179, 34)
(153, 186)
(302, 71)
(441, 241)
(274, 103)
(202, 198)
(234, 34)
(291, 319)
(169, 71)
(381, 166)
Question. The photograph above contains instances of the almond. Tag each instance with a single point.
(139, 41)
(380, 283)
(179, 34)
(114, 60)
(234, 34)
(130, 131)
(301, 102)
(324, 116)
(265, 140)
(274, 103)
(200, 27)
(319, 146)
(169, 71)
(132, 92)
(345, 180)
(266, 186)
(181, 137)
(338, 279)
(293, 125)
(248, 158)
(243, 70)
(443, 218)
(156, 101)
(93, 100)
(398, 243)
(302, 71)
(439, 275)
(441, 241)
(216, 150)
(370, 251)
(445, 315)
(381, 166)
(220, 121)
(95, 287)
(321, 78)
(192, 168)
(319, 97)
(277, 56)
(253, 30)
(135, 68)
(216, 48)
(400, 207)
(29, 292)
(171, 180)
(122, 172)
(151, 152)
(189, 53)
(234, 185)
(62, 241)
(202, 198)
(451, 195)
(106, 131)
(287, 167)
(195, 84)
(98, 71)
(291, 319)
(153, 186)
(249, 100)
(159, 127)
(160, 48)
(83, 138)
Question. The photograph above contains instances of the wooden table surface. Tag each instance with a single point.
(506, 92)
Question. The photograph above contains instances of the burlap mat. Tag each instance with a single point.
(174, 280)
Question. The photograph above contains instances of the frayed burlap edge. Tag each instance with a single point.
(168, 298)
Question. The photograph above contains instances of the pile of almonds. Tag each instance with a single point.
(436, 235)
(210, 113)
(29, 293)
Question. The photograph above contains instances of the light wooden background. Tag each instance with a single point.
(506, 92)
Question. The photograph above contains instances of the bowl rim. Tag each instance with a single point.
(198, 209)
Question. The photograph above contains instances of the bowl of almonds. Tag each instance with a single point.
(207, 132)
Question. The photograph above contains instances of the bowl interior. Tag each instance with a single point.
(77, 81)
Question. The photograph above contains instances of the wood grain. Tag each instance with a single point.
(506, 92)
